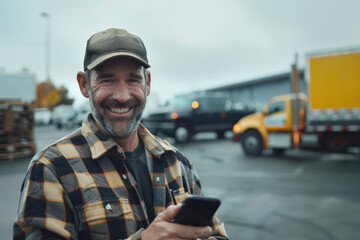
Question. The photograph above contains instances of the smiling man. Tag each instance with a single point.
(111, 178)
(117, 90)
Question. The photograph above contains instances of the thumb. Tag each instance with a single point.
(169, 213)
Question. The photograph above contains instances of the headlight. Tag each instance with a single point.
(236, 128)
(174, 115)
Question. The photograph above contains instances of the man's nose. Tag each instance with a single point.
(121, 92)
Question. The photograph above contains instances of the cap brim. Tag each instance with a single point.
(108, 56)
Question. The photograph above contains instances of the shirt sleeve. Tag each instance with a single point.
(44, 211)
(193, 180)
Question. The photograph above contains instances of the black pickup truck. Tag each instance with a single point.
(188, 115)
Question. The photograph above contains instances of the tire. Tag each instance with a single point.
(333, 144)
(182, 134)
(336, 146)
(278, 151)
(252, 143)
(220, 134)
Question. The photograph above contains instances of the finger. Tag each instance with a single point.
(169, 213)
(185, 231)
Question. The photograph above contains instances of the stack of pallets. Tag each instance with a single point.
(16, 130)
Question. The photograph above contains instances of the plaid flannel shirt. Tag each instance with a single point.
(72, 189)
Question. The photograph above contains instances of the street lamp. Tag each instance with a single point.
(47, 54)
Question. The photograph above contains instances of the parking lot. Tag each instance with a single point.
(300, 195)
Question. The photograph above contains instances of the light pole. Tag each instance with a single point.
(47, 55)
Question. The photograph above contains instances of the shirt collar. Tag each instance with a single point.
(154, 144)
(100, 143)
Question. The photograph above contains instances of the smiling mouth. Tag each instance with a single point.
(119, 110)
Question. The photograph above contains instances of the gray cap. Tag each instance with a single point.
(114, 43)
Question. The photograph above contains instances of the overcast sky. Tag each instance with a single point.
(191, 44)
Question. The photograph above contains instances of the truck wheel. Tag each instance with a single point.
(182, 134)
(220, 134)
(278, 151)
(252, 143)
(333, 144)
(337, 146)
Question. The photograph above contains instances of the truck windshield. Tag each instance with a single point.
(276, 107)
(181, 102)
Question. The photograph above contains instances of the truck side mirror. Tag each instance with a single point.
(265, 111)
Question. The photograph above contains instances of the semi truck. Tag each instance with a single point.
(329, 115)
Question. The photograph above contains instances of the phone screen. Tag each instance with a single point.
(197, 210)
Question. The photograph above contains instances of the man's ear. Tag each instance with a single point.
(81, 79)
(148, 82)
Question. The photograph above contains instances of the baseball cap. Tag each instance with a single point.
(114, 43)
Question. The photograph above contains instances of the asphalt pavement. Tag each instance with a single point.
(302, 195)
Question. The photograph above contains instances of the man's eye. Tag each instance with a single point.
(133, 80)
(107, 80)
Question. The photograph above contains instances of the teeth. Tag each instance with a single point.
(119, 110)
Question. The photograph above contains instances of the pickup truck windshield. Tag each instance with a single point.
(181, 103)
(205, 103)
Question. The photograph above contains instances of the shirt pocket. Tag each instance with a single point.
(179, 195)
(95, 213)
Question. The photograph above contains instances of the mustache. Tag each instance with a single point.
(116, 104)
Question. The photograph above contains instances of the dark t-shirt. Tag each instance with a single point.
(136, 163)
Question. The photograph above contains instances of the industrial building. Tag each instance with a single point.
(17, 86)
(256, 93)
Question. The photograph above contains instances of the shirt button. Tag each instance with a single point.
(108, 207)
(124, 176)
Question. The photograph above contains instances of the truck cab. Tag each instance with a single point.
(330, 115)
(277, 126)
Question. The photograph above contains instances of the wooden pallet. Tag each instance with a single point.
(16, 130)
(17, 146)
(14, 137)
(12, 156)
(10, 151)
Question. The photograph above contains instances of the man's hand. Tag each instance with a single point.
(163, 228)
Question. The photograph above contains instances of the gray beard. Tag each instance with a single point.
(110, 125)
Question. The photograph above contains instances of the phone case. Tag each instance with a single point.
(197, 210)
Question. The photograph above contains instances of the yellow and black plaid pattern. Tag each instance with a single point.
(72, 189)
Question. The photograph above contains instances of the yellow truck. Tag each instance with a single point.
(330, 115)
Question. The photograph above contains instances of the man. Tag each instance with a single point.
(111, 178)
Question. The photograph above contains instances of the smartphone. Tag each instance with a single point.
(197, 210)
